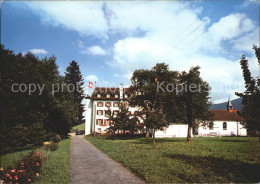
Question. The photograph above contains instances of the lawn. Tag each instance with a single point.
(204, 160)
(78, 127)
(56, 169)
(10, 158)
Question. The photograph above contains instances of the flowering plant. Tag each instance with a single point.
(25, 170)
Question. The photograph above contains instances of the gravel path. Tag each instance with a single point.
(90, 165)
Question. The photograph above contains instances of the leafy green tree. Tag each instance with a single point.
(122, 121)
(150, 91)
(28, 119)
(74, 80)
(251, 96)
(194, 100)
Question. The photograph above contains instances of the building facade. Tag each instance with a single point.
(98, 104)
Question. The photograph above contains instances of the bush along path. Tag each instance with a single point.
(28, 168)
(25, 170)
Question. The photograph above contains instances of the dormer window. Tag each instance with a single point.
(99, 95)
(116, 95)
(126, 95)
(108, 95)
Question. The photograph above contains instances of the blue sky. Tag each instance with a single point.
(110, 40)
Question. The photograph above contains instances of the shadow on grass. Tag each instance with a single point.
(218, 170)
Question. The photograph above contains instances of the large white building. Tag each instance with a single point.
(98, 103)
(225, 122)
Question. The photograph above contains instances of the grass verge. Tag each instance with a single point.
(10, 158)
(78, 127)
(56, 169)
(204, 160)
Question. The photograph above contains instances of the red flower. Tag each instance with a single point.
(16, 177)
(37, 174)
(2, 181)
(37, 164)
(29, 179)
(13, 171)
(2, 170)
(7, 175)
(38, 153)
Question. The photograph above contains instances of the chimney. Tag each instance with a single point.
(121, 91)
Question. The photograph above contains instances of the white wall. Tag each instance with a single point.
(88, 116)
(174, 130)
(233, 129)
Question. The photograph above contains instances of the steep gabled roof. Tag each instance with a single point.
(224, 115)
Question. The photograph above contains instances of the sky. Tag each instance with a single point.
(111, 39)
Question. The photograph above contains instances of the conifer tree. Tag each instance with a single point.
(74, 80)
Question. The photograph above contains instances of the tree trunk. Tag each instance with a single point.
(153, 136)
(259, 134)
(147, 133)
(189, 133)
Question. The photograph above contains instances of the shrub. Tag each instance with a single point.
(51, 146)
(25, 171)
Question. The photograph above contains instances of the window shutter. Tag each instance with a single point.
(96, 121)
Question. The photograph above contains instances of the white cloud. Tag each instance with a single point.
(92, 78)
(38, 51)
(168, 31)
(94, 50)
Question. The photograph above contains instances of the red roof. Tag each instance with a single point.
(224, 115)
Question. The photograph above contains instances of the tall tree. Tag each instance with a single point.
(150, 95)
(75, 83)
(251, 96)
(194, 100)
(29, 118)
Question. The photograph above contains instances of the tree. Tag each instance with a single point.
(150, 98)
(75, 82)
(28, 119)
(194, 99)
(122, 121)
(251, 96)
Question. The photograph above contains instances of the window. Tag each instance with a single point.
(105, 122)
(99, 121)
(115, 104)
(99, 95)
(108, 104)
(99, 112)
(116, 95)
(224, 126)
(126, 96)
(100, 104)
(211, 125)
(108, 95)
(125, 104)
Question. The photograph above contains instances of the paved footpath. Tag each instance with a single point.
(90, 165)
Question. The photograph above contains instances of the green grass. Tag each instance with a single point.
(78, 127)
(56, 169)
(10, 158)
(204, 160)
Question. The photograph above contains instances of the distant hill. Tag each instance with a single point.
(236, 104)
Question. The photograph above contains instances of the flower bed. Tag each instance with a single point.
(25, 170)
